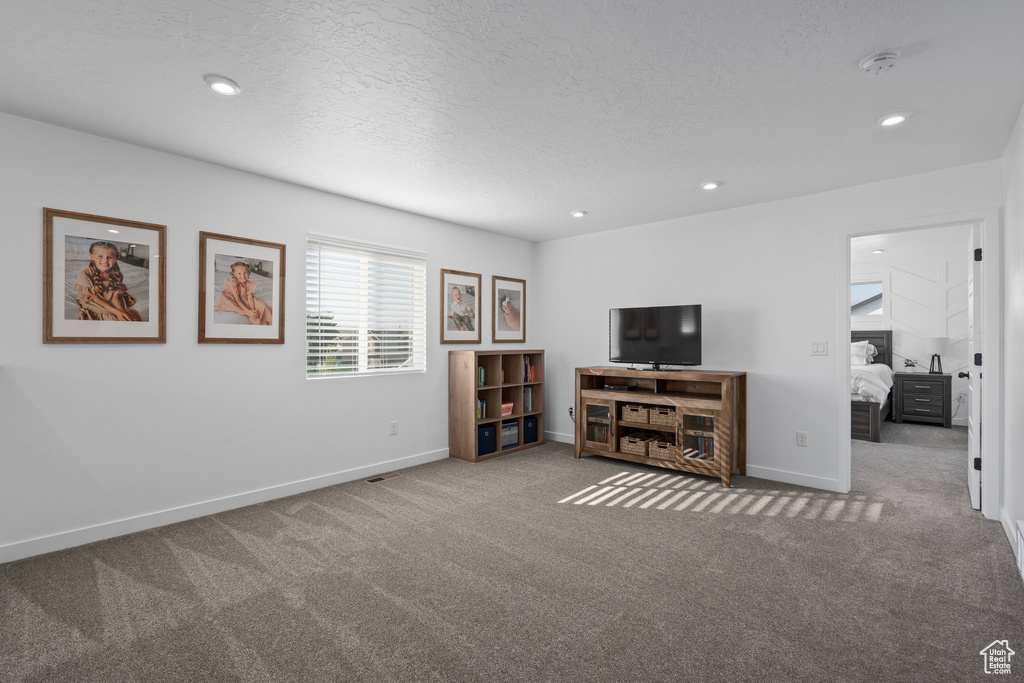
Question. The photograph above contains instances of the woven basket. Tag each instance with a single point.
(635, 443)
(662, 415)
(632, 413)
(662, 449)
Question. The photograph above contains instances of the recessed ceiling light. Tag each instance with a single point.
(116, 232)
(892, 120)
(711, 185)
(878, 251)
(222, 85)
(578, 214)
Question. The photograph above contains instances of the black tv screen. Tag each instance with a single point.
(659, 335)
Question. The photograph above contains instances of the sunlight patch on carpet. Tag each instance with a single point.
(676, 493)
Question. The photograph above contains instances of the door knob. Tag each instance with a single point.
(963, 375)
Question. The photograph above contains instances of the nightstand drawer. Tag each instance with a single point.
(916, 387)
(912, 408)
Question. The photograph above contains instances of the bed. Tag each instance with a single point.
(869, 408)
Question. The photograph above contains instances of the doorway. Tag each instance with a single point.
(922, 270)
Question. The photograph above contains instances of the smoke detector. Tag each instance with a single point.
(879, 63)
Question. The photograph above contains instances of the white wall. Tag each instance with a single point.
(740, 264)
(1013, 328)
(924, 275)
(99, 440)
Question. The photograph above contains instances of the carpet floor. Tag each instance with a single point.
(540, 567)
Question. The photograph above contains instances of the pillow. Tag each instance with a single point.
(859, 353)
(872, 352)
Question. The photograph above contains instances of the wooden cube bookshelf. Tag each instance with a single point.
(515, 377)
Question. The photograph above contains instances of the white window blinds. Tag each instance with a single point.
(366, 310)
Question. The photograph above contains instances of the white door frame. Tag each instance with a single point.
(975, 331)
(987, 222)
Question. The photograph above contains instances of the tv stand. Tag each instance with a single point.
(689, 420)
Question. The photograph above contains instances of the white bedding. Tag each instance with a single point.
(871, 381)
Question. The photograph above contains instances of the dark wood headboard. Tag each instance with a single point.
(880, 339)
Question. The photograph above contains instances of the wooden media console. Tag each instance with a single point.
(690, 420)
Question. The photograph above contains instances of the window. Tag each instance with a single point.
(365, 309)
(866, 298)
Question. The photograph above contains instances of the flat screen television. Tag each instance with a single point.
(659, 335)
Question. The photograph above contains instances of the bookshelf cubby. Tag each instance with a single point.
(690, 420)
(494, 378)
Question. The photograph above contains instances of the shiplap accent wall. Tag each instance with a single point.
(924, 294)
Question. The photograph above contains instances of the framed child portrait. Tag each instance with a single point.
(460, 307)
(241, 290)
(103, 280)
(508, 314)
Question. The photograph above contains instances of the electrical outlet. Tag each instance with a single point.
(394, 427)
(961, 397)
(801, 438)
(819, 348)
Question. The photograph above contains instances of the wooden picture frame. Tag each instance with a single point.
(103, 280)
(241, 290)
(508, 312)
(460, 307)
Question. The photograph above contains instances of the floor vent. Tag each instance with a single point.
(1020, 547)
(382, 477)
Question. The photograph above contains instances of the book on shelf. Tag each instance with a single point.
(506, 408)
(480, 376)
(706, 447)
(529, 370)
(527, 399)
(481, 409)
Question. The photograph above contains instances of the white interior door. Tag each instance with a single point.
(974, 345)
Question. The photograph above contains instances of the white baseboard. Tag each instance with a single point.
(99, 532)
(786, 477)
(561, 438)
(1008, 527)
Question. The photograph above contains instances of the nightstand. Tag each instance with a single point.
(922, 397)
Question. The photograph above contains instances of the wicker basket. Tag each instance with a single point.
(663, 415)
(633, 413)
(662, 448)
(635, 443)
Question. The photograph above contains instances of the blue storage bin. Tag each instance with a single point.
(486, 439)
(530, 429)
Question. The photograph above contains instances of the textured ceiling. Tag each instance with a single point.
(508, 115)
